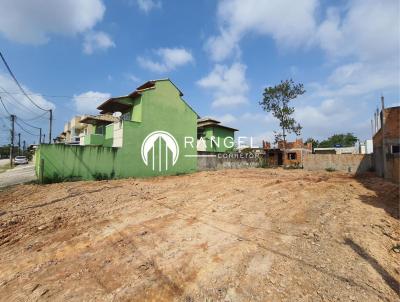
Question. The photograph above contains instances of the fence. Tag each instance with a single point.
(216, 161)
(353, 163)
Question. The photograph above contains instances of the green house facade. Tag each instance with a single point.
(138, 135)
(214, 137)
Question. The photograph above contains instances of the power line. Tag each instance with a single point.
(23, 129)
(18, 84)
(1, 100)
(21, 105)
(14, 117)
(55, 96)
(36, 118)
(28, 124)
(5, 108)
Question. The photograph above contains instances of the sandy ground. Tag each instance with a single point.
(233, 235)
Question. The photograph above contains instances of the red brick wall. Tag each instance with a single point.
(392, 123)
(392, 126)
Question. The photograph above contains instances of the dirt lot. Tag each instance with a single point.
(233, 235)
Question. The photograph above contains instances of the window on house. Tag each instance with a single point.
(200, 133)
(291, 156)
(395, 149)
(100, 129)
(126, 116)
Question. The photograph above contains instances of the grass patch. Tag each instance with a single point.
(330, 169)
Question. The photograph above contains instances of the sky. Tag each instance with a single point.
(71, 55)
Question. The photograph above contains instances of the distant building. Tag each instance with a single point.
(290, 154)
(101, 130)
(386, 142)
(366, 147)
(369, 146)
(74, 131)
(214, 137)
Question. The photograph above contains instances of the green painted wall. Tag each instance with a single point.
(137, 110)
(158, 109)
(108, 136)
(220, 134)
(93, 139)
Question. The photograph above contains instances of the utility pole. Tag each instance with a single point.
(44, 137)
(12, 139)
(372, 128)
(23, 146)
(383, 137)
(40, 136)
(50, 124)
(19, 143)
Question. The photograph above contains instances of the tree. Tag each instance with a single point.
(277, 100)
(344, 140)
(314, 142)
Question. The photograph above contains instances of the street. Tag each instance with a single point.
(18, 175)
(4, 161)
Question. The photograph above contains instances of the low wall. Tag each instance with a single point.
(216, 161)
(393, 167)
(58, 162)
(353, 163)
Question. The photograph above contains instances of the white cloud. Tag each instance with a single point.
(251, 124)
(226, 118)
(358, 79)
(329, 117)
(87, 102)
(259, 137)
(132, 78)
(33, 22)
(148, 5)
(17, 103)
(290, 23)
(368, 30)
(97, 40)
(368, 33)
(361, 40)
(169, 59)
(228, 85)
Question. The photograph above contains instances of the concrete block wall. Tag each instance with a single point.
(353, 163)
(218, 161)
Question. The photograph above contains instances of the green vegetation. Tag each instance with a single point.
(330, 169)
(314, 142)
(345, 140)
(277, 99)
(5, 152)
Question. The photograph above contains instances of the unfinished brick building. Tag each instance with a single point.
(386, 141)
(290, 155)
